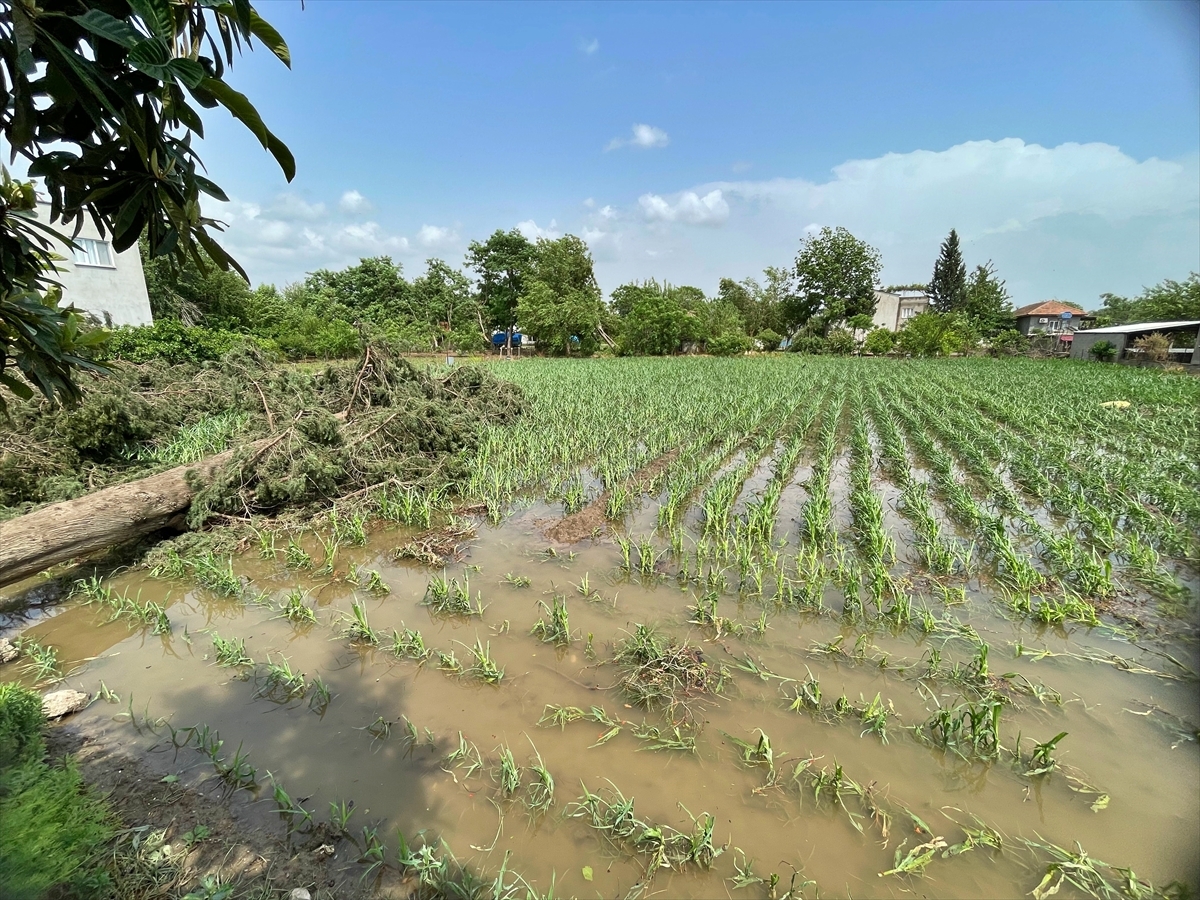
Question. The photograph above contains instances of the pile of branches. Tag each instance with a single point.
(299, 437)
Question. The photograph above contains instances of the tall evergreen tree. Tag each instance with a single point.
(948, 287)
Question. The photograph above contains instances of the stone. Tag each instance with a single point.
(7, 651)
(324, 851)
(62, 703)
(300, 894)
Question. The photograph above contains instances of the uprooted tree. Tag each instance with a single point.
(139, 451)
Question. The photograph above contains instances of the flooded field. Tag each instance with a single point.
(829, 627)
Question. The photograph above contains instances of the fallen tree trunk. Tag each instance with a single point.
(63, 531)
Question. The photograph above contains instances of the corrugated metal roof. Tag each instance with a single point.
(1135, 327)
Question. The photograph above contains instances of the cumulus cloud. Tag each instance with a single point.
(1069, 221)
(431, 236)
(530, 229)
(643, 137)
(290, 208)
(590, 47)
(353, 203)
(690, 208)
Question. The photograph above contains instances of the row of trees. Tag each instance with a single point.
(548, 289)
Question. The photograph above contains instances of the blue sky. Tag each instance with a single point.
(695, 141)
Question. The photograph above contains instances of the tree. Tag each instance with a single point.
(560, 307)
(502, 262)
(948, 287)
(183, 291)
(654, 326)
(835, 277)
(443, 296)
(769, 339)
(934, 334)
(373, 291)
(1168, 301)
(98, 98)
(987, 303)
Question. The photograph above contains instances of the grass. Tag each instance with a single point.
(296, 611)
(483, 666)
(230, 652)
(358, 629)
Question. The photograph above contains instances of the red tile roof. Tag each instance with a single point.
(1047, 308)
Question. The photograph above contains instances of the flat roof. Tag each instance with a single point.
(1135, 327)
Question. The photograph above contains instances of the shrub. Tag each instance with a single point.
(769, 339)
(1103, 351)
(840, 341)
(731, 343)
(1009, 342)
(812, 344)
(171, 342)
(1155, 347)
(879, 342)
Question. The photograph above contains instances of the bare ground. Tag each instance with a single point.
(257, 860)
(590, 520)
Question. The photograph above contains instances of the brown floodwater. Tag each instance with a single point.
(1151, 824)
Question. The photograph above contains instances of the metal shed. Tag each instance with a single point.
(1123, 336)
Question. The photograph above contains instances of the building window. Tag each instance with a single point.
(93, 253)
(908, 312)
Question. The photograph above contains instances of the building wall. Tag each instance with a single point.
(887, 310)
(118, 289)
(1083, 342)
(893, 310)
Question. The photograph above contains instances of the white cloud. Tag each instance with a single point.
(607, 212)
(1069, 221)
(431, 236)
(290, 208)
(690, 208)
(530, 229)
(643, 137)
(353, 202)
(742, 166)
(590, 47)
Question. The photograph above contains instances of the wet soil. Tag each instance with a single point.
(591, 521)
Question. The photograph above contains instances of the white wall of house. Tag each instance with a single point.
(892, 311)
(98, 280)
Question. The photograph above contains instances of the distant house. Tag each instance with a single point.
(894, 309)
(97, 279)
(1184, 337)
(1051, 317)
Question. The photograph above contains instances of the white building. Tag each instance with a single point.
(98, 280)
(893, 310)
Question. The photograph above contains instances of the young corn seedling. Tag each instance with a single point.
(554, 626)
(319, 695)
(1041, 761)
(508, 774)
(408, 644)
(560, 715)
(280, 682)
(376, 584)
(358, 629)
(465, 757)
(447, 662)
(452, 598)
(760, 753)
(483, 666)
(296, 556)
(230, 652)
(518, 581)
(296, 611)
(40, 661)
(541, 791)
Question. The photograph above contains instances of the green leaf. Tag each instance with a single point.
(153, 57)
(587, 873)
(188, 71)
(170, 779)
(157, 16)
(243, 110)
(109, 27)
(213, 190)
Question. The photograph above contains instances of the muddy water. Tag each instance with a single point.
(1152, 823)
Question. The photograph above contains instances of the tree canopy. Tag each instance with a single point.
(560, 304)
(835, 278)
(1167, 301)
(100, 98)
(502, 264)
(948, 286)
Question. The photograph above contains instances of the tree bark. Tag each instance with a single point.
(63, 531)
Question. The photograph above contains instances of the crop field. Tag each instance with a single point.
(766, 627)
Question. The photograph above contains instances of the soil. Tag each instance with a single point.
(590, 521)
(258, 860)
